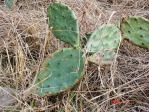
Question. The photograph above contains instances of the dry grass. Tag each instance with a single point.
(25, 42)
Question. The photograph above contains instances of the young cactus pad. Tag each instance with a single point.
(136, 29)
(61, 71)
(104, 41)
(63, 23)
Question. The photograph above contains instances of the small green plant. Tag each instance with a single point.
(65, 67)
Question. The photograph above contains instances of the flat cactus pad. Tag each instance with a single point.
(136, 29)
(63, 23)
(103, 42)
(60, 72)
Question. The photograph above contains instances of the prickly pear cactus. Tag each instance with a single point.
(103, 42)
(63, 23)
(61, 71)
(136, 29)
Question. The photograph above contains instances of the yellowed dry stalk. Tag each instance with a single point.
(20, 61)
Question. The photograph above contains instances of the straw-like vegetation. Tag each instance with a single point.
(25, 41)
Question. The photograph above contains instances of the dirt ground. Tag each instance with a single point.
(25, 41)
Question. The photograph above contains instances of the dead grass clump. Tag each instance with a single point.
(25, 41)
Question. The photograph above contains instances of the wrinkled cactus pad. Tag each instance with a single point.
(136, 29)
(63, 23)
(104, 41)
(60, 72)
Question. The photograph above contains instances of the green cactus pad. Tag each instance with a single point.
(102, 59)
(136, 29)
(104, 41)
(63, 23)
(9, 3)
(60, 72)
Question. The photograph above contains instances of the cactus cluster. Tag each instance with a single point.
(65, 67)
